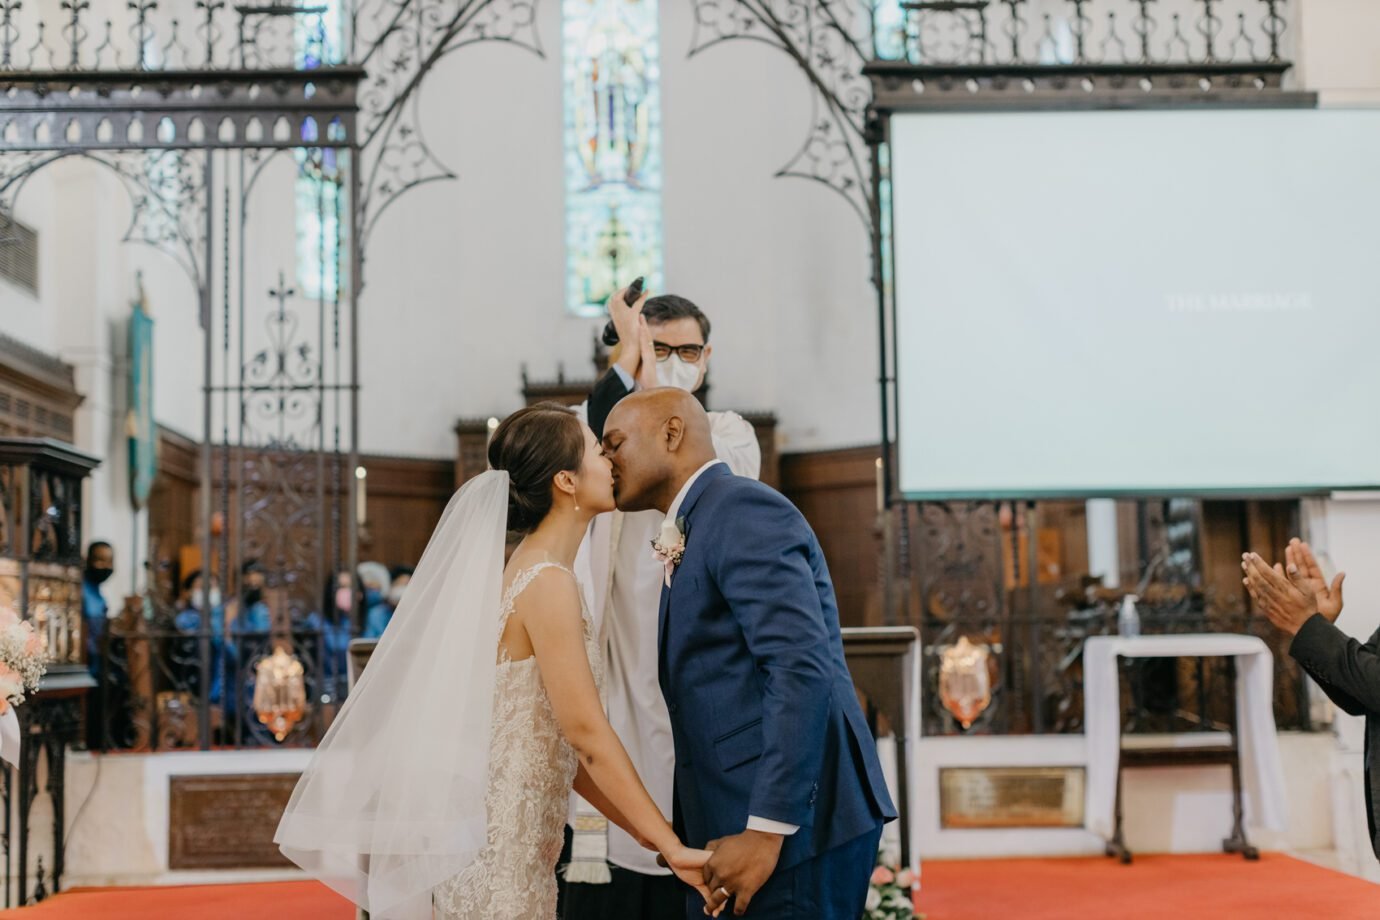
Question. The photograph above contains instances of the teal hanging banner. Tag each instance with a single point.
(139, 426)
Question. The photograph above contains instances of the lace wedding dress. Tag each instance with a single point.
(531, 771)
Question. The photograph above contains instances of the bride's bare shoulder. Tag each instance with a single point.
(541, 588)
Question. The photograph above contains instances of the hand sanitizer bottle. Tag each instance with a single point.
(1128, 620)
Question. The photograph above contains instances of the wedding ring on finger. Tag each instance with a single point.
(724, 891)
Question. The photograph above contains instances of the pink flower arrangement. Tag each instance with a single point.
(22, 661)
(889, 897)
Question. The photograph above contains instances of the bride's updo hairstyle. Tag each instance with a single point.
(533, 445)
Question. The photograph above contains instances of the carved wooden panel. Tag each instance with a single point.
(404, 500)
(38, 394)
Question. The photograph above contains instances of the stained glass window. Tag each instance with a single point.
(612, 149)
(318, 194)
(889, 29)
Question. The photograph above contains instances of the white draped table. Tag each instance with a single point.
(1262, 769)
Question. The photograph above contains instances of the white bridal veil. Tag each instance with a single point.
(392, 803)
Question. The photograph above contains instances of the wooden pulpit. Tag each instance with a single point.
(878, 658)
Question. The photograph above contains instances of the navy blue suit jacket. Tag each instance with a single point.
(763, 712)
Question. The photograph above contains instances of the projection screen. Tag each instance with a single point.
(1137, 302)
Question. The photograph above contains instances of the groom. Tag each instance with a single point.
(776, 771)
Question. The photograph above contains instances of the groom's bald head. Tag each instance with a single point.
(656, 440)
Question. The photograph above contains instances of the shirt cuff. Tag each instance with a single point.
(771, 827)
(624, 376)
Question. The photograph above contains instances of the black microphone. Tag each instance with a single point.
(633, 293)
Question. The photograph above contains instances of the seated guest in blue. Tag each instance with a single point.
(188, 622)
(402, 575)
(335, 630)
(253, 616)
(374, 582)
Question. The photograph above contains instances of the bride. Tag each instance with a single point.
(443, 784)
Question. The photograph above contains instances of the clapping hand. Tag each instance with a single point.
(1288, 603)
(1302, 567)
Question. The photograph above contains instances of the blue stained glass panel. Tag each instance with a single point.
(613, 168)
(318, 193)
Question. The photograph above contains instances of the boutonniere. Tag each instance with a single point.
(669, 548)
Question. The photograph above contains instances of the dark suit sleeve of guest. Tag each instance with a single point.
(1348, 671)
(606, 394)
(764, 574)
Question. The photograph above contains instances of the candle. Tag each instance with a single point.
(361, 477)
(881, 488)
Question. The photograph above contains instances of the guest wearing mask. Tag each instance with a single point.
(335, 628)
(188, 622)
(664, 342)
(375, 583)
(105, 724)
(402, 575)
(100, 565)
(253, 616)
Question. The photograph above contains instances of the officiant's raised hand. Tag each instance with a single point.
(627, 320)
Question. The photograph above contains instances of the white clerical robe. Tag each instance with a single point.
(622, 582)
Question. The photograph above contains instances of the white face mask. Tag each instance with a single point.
(673, 372)
(215, 599)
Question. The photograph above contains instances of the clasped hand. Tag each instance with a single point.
(729, 867)
(738, 869)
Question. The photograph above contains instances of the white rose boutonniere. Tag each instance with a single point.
(669, 547)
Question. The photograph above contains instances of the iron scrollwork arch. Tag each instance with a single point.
(831, 42)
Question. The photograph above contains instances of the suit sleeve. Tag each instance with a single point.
(769, 585)
(606, 394)
(1348, 671)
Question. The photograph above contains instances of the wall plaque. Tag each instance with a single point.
(981, 797)
(227, 821)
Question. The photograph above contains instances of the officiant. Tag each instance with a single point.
(663, 341)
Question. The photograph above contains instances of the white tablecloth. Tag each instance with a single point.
(1261, 768)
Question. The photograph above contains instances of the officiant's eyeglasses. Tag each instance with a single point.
(690, 354)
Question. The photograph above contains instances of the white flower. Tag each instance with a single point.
(670, 533)
(18, 633)
(11, 687)
(874, 899)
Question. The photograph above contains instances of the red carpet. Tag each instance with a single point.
(1207, 887)
(276, 901)
(1197, 887)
